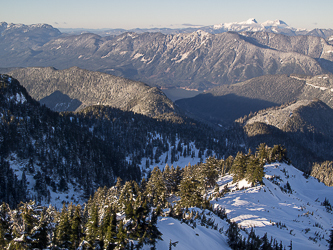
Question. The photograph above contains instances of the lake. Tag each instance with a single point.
(175, 94)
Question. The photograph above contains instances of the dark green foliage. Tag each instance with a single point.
(330, 241)
(234, 238)
(250, 167)
(190, 195)
(97, 227)
(327, 205)
(239, 167)
(63, 229)
(12, 190)
(156, 188)
(76, 227)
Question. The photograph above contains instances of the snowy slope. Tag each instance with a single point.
(180, 159)
(297, 215)
(74, 193)
(188, 238)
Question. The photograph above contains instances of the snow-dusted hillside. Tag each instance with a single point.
(186, 237)
(288, 207)
(56, 198)
(192, 157)
(294, 214)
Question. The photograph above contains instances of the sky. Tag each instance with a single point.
(128, 14)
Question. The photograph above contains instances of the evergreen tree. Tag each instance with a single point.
(254, 170)
(40, 234)
(233, 235)
(156, 188)
(330, 241)
(121, 236)
(262, 153)
(238, 168)
(167, 176)
(189, 193)
(210, 171)
(265, 243)
(111, 231)
(63, 229)
(129, 210)
(76, 228)
(93, 234)
(4, 225)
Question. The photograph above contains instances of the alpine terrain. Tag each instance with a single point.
(94, 155)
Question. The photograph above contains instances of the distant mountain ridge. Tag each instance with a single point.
(304, 127)
(226, 103)
(276, 26)
(93, 88)
(197, 60)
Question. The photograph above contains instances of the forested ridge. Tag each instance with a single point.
(56, 150)
(91, 148)
(125, 215)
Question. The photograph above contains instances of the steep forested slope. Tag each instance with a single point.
(62, 157)
(53, 150)
(86, 88)
(226, 103)
(304, 127)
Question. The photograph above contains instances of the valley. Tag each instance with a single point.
(217, 137)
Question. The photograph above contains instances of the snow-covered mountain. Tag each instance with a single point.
(252, 25)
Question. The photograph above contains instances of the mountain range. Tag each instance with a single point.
(67, 132)
(276, 26)
(78, 89)
(197, 60)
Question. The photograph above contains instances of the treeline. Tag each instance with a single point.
(323, 172)
(141, 136)
(251, 167)
(123, 216)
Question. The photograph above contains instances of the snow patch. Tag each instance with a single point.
(183, 57)
(137, 55)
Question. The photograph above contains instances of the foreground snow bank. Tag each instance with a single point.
(288, 207)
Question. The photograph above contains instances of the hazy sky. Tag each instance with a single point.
(168, 13)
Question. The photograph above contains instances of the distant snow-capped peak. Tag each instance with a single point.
(249, 21)
(236, 25)
(276, 23)
(252, 25)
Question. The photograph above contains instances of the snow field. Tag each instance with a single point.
(295, 215)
